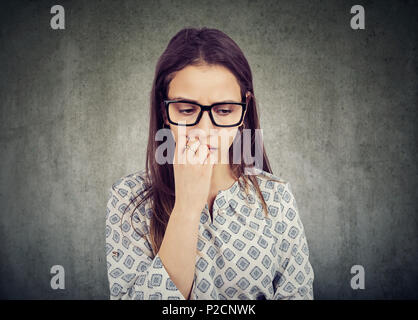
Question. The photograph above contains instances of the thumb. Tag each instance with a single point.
(210, 159)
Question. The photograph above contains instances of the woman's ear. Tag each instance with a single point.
(248, 96)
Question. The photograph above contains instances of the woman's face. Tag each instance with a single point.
(206, 85)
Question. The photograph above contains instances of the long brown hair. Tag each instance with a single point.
(191, 46)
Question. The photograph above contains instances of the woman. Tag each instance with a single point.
(197, 223)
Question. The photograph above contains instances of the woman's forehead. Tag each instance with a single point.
(205, 84)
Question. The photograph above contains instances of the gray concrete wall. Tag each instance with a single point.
(338, 108)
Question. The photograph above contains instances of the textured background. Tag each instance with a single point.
(338, 108)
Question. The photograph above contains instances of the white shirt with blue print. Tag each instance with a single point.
(244, 255)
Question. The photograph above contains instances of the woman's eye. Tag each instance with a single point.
(186, 111)
(223, 111)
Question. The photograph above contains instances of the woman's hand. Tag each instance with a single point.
(192, 173)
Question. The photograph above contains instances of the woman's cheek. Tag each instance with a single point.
(227, 140)
(232, 135)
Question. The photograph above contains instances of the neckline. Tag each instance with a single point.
(226, 194)
(228, 189)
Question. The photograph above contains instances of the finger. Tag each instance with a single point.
(210, 159)
(201, 153)
(186, 142)
(193, 139)
(179, 152)
(194, 145)
(191, 151)
(180, 148)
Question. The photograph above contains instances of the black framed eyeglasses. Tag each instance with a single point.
(188, 113)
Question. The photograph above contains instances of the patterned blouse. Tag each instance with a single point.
(242, 253)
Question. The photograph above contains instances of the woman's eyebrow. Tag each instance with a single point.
(191, 100)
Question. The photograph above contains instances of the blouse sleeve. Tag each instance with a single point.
(134, 273)
(295, 275)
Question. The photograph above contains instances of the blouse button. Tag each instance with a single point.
(221, 211)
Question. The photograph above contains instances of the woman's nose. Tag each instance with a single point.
(205, 122)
